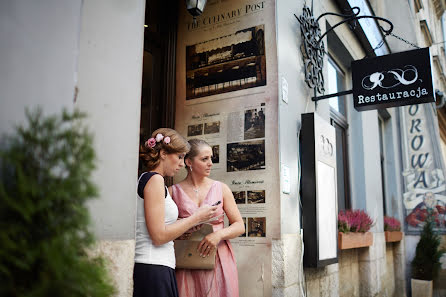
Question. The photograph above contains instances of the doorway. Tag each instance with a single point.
(158, 79)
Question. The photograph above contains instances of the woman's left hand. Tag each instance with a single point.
(208, 244)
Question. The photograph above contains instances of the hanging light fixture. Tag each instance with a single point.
(195, 7)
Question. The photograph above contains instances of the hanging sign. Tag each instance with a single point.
(393, 80)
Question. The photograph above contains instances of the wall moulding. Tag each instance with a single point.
(426, 32)
(418, 5)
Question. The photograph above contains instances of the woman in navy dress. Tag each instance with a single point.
(157, 223)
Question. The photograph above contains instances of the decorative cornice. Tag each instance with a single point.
(439, 6)
(418, 5)
(441, 113)
(439, 66)
(426, 32)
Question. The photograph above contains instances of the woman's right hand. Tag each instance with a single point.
(205, 213)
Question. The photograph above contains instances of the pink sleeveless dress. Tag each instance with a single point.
(222, 281)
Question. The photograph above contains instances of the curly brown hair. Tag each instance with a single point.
(150, 157)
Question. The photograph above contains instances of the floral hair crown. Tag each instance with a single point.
(151, 142)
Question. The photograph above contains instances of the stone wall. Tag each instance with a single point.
(389, 279)
(287, 266)
(119, 256)
(322, 282)
(349, 273)
(374, 271)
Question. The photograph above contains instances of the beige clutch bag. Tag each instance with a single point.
(186, 254)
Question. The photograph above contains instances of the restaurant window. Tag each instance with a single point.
(338, 112)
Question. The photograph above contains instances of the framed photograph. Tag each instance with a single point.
(257, 227)
(215, 154)
(211, 128)
(227, 63)
(242, 156)
(254, 123)
(255, 197)
(240, 197)
(195, 130)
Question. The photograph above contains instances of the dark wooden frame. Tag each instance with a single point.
(309, 195)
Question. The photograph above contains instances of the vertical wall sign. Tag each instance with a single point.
(226, 94)
(319, 193)
(393, 80)
(423, 169)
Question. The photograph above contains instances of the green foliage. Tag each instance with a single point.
(45, 172)
(426, 263)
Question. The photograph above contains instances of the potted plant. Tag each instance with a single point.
(353, 226)
(426, 262)
(392, 229)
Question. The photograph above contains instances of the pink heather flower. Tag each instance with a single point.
(151, 142)
(167, 140)
(391, 224)
(159, 137)
(343, 225)
(354, 221)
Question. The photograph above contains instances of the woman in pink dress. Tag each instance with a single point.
(195, 190)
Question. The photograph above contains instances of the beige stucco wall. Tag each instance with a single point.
(38, 57)
(110, 74)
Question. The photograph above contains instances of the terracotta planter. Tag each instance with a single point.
(393, 236)
(421, 288)
(354, 240)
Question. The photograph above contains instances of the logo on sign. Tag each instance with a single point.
(391, 78)
(327, 147)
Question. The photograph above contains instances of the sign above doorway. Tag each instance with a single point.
(393, 80)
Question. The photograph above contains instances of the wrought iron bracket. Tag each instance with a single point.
(313, 49)
(317, 98)
(353, 17)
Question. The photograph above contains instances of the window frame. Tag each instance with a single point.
(340, 120)
(383, 119)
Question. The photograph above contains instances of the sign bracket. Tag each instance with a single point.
(313, 49)
(317, 98)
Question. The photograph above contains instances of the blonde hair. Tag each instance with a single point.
(151, 156)
(195, 145)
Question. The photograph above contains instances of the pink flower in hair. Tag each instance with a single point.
(159, 137)
(167, 140)
(151, 142)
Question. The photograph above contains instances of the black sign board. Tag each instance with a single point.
(393, 80)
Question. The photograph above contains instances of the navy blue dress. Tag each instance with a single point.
(151, 280)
